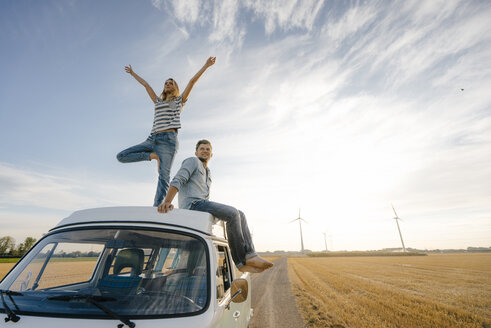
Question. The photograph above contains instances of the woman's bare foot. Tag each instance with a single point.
(258, 262)
(251, 269)
(155, 156)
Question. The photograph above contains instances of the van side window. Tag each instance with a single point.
(224, 279)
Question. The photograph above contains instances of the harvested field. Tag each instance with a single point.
(451, 290)
(58, 272)
(271, 258)
(5, 268)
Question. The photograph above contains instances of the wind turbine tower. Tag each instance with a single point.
(325, 240)
(397, 218)
(300, 223)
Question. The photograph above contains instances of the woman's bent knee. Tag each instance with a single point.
(120, 157)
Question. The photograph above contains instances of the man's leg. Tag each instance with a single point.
(230, 215)
(239, 237)
(252, 259)
(249, 245)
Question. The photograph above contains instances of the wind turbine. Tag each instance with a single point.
(300, 223)
(325, 240)
(397, 222)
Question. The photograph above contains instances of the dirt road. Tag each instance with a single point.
(273, 302)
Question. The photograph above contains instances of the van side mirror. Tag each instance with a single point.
(239, 290)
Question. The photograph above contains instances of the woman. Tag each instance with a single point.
(162, 143)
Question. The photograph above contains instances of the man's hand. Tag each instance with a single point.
(165, 207)
(166, 204)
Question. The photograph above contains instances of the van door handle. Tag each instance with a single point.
(236, 314)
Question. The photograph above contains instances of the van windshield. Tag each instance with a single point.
(133, 273)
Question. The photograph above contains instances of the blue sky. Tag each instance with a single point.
(338, 108)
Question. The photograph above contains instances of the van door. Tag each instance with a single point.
(233, 316)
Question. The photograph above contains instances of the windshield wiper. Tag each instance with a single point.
(95, 300)
(11, 316)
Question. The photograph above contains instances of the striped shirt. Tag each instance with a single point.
(167, 114)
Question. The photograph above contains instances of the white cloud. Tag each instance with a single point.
(351, 22)
(187, 11)
(409, 41)
(67, 190)
(157, 4)
(220, 18)
(224, 20)
(286, 15)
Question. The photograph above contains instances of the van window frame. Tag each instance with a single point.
(230, 266)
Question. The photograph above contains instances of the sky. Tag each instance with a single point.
(334, 108)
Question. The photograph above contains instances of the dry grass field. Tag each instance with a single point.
(56, 273)
(270, 258)
(5, 268)
(448, 290)
(451, 290)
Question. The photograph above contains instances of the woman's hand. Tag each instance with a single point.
(149, 89)
(210, 61)
(128, 69)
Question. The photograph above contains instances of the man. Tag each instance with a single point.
(193, 182)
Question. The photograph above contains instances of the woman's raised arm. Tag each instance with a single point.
(147, 86)
(210, 61)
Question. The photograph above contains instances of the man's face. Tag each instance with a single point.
(204, 152)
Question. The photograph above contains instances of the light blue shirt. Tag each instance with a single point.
(193, 181)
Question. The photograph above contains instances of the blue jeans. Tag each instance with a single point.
(165, 145)
(239, 237)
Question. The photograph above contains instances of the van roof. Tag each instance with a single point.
(200, 221)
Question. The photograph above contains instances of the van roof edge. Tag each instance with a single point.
(200, 221)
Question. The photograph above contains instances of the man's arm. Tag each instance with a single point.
(166, 205)
(182, 176)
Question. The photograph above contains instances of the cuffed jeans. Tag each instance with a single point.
(165, 145)
(239, 237)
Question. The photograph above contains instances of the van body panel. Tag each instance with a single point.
(50, 322)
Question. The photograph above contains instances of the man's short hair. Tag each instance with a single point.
(202, 142)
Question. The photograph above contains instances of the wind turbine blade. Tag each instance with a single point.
(293, 220)
(394, 210)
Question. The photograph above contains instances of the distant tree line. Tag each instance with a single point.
(9, 249)
(77, 254)
(363, 253)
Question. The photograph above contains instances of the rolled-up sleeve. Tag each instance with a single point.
(182, 176)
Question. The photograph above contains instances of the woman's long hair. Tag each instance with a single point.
(175, 94)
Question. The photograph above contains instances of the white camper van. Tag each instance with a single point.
(128, 267)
